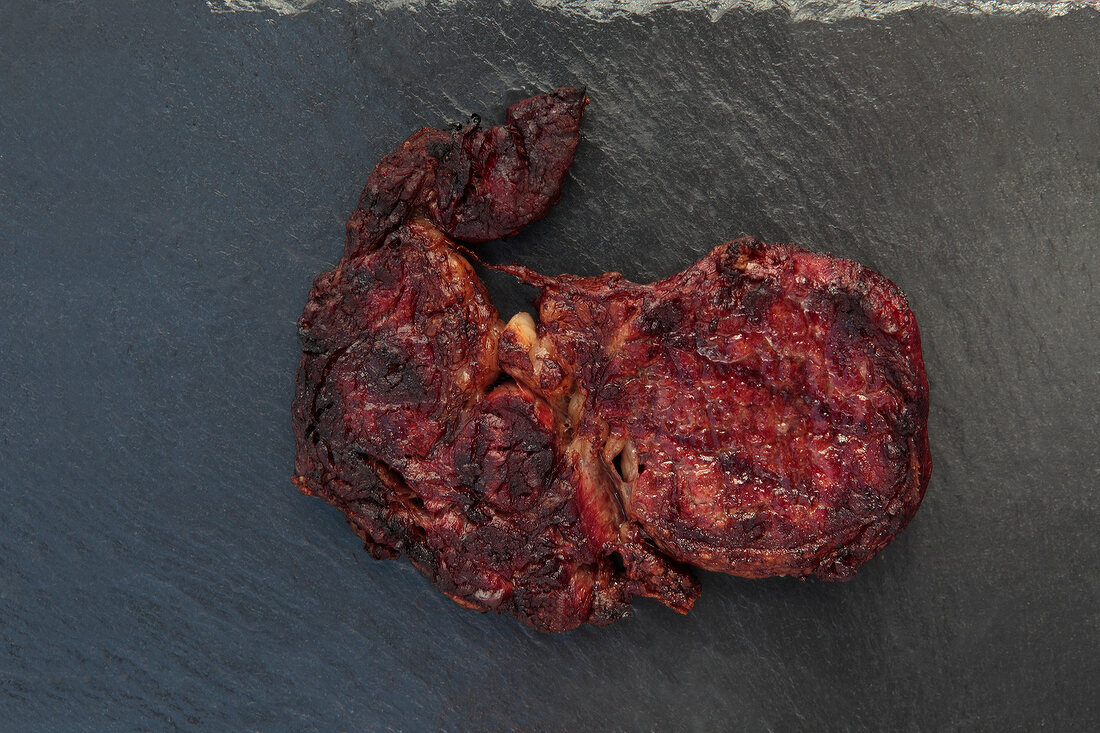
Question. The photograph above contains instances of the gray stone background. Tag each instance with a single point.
(171, 179)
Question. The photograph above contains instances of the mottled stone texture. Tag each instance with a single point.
(170, 182)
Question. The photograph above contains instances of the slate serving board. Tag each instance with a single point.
(172, 179)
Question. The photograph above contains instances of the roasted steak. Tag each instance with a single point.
(761, 413)
(401, 416)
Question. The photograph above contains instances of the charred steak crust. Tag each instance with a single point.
(762, 413)
(474, 184)
(403, 418)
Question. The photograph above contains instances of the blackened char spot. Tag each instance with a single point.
(756, 300)
(735, 463)
(662, 318)
(850, 316)
(391, 371)
(438, 149)
(752, 528)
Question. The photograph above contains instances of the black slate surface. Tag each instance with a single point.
(171, 180)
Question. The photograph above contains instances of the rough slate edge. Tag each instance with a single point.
(824, 11)
(157, 569)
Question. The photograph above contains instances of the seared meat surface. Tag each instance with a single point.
(474, 184)
(761, 413)
(402, 418)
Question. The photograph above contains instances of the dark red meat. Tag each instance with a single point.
(474, 184)
(401, 423)
(762, 413)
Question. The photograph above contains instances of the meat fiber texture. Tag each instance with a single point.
(762, 413)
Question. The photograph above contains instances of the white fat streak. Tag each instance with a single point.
(813, 10)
